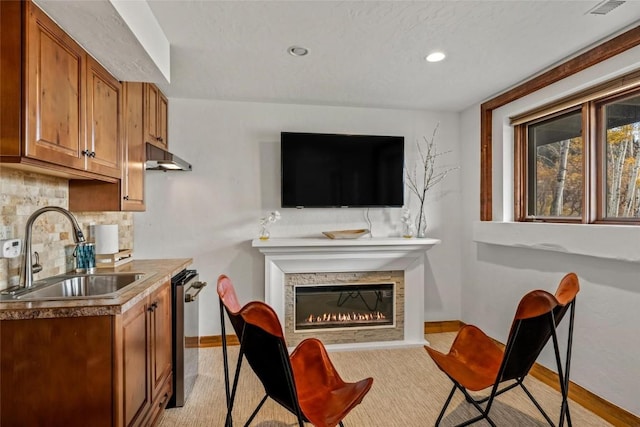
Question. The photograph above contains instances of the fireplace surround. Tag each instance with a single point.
(367, 260)
(347, 285)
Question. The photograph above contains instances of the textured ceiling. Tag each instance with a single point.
(362, 53)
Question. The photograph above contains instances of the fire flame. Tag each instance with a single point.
(345, 317)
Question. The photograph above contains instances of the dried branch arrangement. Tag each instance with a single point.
(430, 175)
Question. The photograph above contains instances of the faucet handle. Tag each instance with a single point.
(36, 267)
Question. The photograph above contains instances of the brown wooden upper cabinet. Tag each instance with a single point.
(128, 193)
(59, 108)
(156, 107)
(104, 136)
(132, 193)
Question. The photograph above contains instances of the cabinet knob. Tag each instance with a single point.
(159, 139)
(126, 197)
(86, 153)
(93, 154)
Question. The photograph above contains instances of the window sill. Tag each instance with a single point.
(617, 242)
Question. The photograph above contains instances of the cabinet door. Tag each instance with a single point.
(128, 194)
(133, 167)
(55, 96)
(135, 350)
(104, 138)
(151, 94)
(56, 372)
(161, 354)
(163, 116)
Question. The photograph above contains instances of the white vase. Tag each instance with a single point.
(407, 230)
(264, 232)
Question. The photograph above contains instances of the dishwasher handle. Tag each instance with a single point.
(198, 286)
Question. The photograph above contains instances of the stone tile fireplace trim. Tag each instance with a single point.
(313, 255)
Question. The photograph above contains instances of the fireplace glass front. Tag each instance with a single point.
(352, 305)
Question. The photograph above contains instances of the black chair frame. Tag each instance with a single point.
(564, 381)
(284, 358)
(225, 361)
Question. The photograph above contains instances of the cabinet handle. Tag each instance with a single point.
(152, 307)
(159, 139)
(86, 153)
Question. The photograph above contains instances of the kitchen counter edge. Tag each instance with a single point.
(157, 272)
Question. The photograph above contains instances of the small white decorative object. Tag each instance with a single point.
(265, 222)
(407, 223)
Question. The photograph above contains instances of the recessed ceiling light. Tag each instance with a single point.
(297, 51)
(435, 57)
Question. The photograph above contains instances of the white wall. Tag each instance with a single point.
(495, 276)
(212, 213)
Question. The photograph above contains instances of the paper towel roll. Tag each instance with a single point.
(107, 239)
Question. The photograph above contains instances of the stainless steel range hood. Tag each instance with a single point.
(159, 159)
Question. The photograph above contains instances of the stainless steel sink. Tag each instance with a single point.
(67, 286)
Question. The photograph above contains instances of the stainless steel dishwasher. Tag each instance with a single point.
(185, 287)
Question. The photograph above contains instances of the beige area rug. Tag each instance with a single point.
(408, 390)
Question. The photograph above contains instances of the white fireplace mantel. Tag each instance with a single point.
(318, 255)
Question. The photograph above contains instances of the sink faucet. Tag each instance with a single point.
(27, 268)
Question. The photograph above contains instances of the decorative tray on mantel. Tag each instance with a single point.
(346, 234)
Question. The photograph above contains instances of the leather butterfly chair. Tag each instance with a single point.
(229, 304)
(475, 362)
(305, 383)
(566, 297)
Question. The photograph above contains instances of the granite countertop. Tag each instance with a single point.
(156, 273)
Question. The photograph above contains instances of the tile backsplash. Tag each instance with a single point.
(21, 193)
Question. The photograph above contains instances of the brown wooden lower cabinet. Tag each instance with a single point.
(88, 371)
(146, 348)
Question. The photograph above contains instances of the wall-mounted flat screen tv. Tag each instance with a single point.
(331, 170)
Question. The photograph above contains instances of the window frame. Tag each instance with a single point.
(591, 102)
(582, 61)
(600, 129)
(521, 164)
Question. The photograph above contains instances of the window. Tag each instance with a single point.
(579, 159)
(555, 176)
(621, 145)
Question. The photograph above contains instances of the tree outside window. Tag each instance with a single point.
(556, 176)
(622, 147)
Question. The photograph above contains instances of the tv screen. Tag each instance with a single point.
(330, 170)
